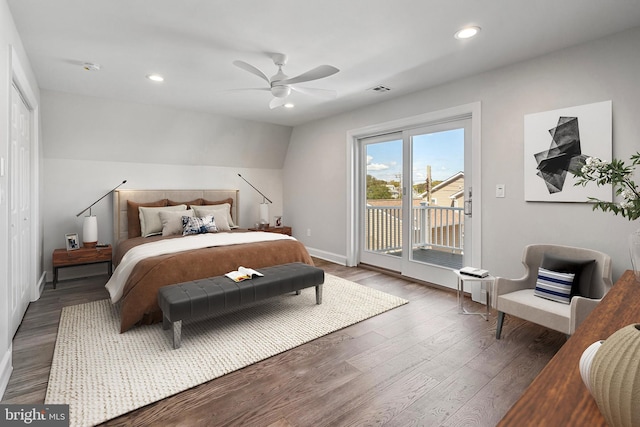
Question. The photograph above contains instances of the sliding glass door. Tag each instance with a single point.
(382, 199)
(416, 199)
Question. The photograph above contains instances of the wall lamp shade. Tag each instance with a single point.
(90, 231)
(264, 207)
(90, 223)
(264, 213)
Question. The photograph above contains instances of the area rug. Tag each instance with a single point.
(102, 374)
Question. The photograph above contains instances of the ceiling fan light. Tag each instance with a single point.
(280, 91)
(289, 105)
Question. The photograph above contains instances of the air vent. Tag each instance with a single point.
(380, 89)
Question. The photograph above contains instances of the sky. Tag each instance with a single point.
(444, 151)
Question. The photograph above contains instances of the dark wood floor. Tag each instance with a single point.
(421, 364)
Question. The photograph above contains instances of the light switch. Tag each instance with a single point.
(499, 190)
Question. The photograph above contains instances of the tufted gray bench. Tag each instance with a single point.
(202, 297)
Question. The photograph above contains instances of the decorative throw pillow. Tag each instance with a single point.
(150, 223)
(194, 202)
(218, 211)
(133, 216)
(172, 221)
(554, 285)
(222, 223)
(217, 202)
(228, 201)
(582, 269)
(195, 225)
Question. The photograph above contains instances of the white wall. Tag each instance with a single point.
(315, 173)
(88, 128)
(9, 39)
(92, 144)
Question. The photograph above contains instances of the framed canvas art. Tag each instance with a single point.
(559, 141)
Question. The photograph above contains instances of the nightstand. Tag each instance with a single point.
(82, 256)
(282, 230)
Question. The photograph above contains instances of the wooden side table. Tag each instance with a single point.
(282, 230)
(82, 256)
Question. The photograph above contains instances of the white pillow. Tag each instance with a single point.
(150, 223)
(222, 223)
(172, 221)
(222, 210)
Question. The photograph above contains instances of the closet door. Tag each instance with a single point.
(20, 208)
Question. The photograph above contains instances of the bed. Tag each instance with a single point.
(145, 264)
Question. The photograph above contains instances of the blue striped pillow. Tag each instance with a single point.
(554, 286)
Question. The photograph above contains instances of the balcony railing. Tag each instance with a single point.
(433, 227)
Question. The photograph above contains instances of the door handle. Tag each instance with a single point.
(468, 204)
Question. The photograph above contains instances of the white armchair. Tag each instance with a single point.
(516, 296)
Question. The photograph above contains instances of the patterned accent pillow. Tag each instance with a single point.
(554, 286)
(194, 225)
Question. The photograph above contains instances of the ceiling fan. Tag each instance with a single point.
(281, 85)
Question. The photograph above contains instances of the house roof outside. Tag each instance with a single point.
(446, 182)
(448, 192)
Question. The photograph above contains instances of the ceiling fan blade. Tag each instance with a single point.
(319, 93)
(253, 70)
(242, 89)
(317, 73)
(277, 102)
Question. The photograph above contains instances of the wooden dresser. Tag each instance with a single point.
(557, 396)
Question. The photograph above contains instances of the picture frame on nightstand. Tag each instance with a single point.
(72, 242)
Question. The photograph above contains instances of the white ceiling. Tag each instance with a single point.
(406, 45)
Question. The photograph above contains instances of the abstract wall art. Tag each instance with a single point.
(559, 141)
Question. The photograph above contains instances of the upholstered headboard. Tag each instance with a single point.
(120, 197)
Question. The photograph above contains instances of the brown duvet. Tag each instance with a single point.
(139, 303)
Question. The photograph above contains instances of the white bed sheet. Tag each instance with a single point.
(116, 283)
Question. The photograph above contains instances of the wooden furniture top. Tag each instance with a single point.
(282, 230)
(557, 396)
(83, 255)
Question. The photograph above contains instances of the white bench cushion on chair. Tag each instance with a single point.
(526, 305)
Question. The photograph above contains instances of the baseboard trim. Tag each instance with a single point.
(5, 370)
(328, 256)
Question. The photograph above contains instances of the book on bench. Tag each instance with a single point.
(474, 272)
(243, 273)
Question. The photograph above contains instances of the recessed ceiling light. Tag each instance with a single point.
(467, 32)
(289, 105)
(155, 78)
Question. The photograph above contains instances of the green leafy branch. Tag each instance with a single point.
(619, 175)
